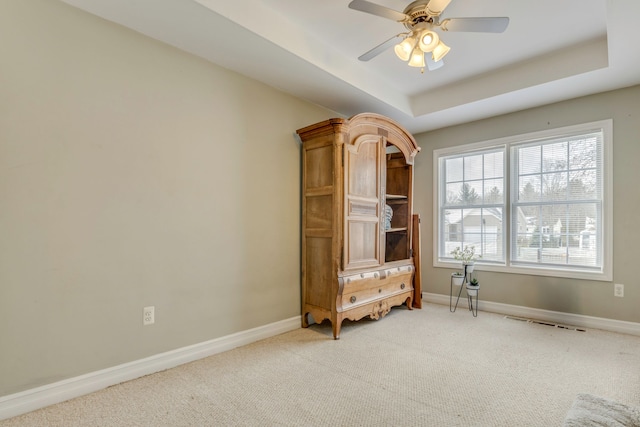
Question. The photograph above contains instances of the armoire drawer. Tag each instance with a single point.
(364, 280)
(357, 292)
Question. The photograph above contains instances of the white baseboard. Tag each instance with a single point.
(30, 400)
(612, 325)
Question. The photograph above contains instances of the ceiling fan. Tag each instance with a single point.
(421, 18)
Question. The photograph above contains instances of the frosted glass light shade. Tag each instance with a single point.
(404, 48)
(440, 51)
(428, 41)
(417, 58)
(431, 64)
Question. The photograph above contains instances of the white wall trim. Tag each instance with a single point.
(611, 325)
(30, 400)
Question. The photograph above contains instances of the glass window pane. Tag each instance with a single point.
(494, 165)
(493, 191)
(473, 192)
(530, 188)
(583, 153)
(554, 186)
(470, 218)
(492, 227)
(453, 192)
(453, 168)
(452, 231)
(545, 232)
(554, 157)
(529, 160)
(492, 249)
(583, 185)
(473, 167)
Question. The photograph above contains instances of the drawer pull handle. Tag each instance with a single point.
(352, 299)
(379, 291)
(401, 285)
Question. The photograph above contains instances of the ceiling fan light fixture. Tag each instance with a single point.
(428, 40)
(404, 48)
(422, 18)
(440, 51)
(417, 58)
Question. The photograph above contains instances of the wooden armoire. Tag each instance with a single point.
(355, 263)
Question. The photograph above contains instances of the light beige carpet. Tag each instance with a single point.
(424, 367)
(594, 411)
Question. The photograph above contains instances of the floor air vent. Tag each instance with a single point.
(541, 322)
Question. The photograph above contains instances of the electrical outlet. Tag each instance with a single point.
(148, 315)
(618, 290)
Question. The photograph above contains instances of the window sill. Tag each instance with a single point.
(532, 271)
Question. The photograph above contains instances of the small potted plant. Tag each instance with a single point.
(458, 278)
(467, 256)
(472, 287)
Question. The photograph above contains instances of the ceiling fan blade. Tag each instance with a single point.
(376, 9)
(478, 25)
(436, 7)
(378, 49)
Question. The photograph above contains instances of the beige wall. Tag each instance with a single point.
(133, 174)
(591, 298)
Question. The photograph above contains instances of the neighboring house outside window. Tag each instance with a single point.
(537, 204)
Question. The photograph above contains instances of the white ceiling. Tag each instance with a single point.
(551, 51)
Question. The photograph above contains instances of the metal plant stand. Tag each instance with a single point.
(473, 308)
(452, 308)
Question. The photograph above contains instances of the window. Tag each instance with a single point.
(473, 202)
(535, 204)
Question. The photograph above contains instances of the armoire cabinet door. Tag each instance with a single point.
(363, 178)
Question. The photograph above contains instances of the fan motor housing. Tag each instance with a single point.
(418, 13)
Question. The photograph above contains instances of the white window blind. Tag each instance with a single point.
(557, 199)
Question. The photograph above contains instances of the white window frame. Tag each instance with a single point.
(605, 273)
